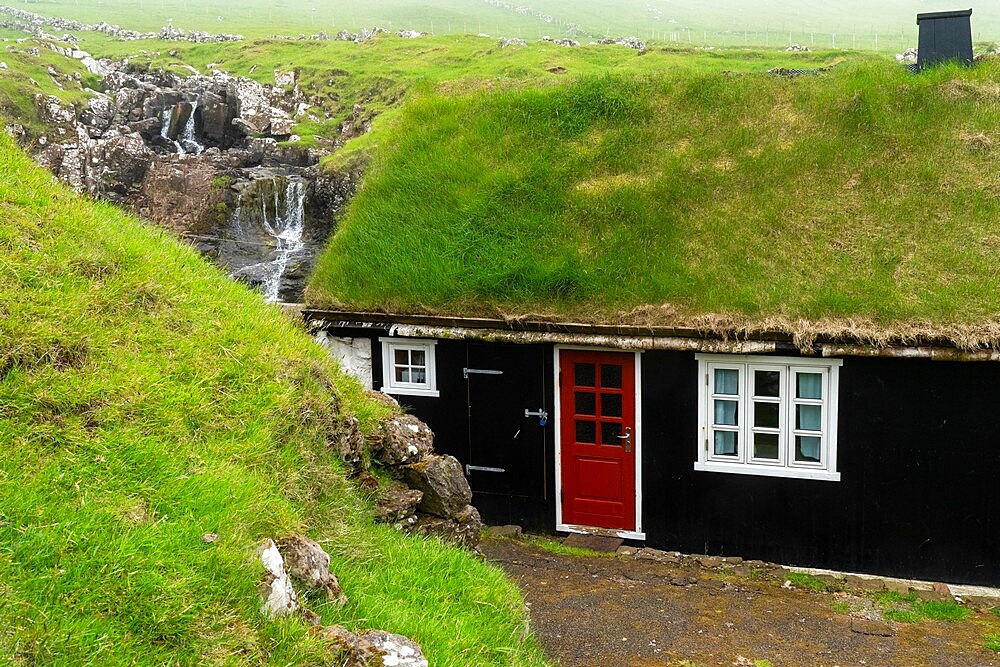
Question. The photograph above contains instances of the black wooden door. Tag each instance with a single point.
(506, 448)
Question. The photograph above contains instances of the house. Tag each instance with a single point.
(843, 455)
(710, 310)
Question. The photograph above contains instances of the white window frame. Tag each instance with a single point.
(744, 463)
(389, 383)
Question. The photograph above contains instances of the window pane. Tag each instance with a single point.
(586, 431)
(401, 357)
(809, 385)
(418, 375)
(586, 374)
(765, 446)
(725, 443)
(807, 448)
(610, 433)
(808, 417)
(611, 376)
(418, 358)
(586, 404)
(611, 405)
(767, 383)
(725, 412)
(765, 415)
(727, 381)
(402, 374)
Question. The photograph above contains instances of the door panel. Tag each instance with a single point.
(597, 431)
(500, 436)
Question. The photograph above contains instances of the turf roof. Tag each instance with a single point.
(862, 201)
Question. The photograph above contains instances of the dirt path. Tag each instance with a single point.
(611, 612)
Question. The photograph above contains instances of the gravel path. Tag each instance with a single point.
(610, 612)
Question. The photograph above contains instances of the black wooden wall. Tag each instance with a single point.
(919, 456)
(918, 453)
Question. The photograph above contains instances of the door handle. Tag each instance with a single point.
(627, 438)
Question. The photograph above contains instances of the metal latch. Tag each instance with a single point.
(470, 468)
(627, 438)
(543, 415)
(478, 371)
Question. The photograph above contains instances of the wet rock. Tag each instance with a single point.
(309, 564)
(278, 597)
(397, 504)
(465, 529)
(401, 440)
(446, 491)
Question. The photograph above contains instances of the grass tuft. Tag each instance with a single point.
(808, 581)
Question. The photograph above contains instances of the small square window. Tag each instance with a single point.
(408, 367)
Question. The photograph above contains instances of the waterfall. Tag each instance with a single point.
(187, 139)
(273, 205)
(165, 129)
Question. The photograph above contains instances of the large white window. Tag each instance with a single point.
(408, 367)
(771, 416)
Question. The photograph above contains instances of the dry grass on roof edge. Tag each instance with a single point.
(983, 335)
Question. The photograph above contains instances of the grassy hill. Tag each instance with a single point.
(862, 198)
(146, 400)
(851, 24)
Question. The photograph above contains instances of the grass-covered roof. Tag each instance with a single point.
(862, 199)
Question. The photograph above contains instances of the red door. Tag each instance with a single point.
(597, 438)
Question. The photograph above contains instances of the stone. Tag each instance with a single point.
(309, 564)
(896, 586)
(709, 561)
(465, 529)
(933, 595)
(402, 439)
(390, 650)
(446, 491)
(288, 79)
(208, 538)
(509, 531)
(372, 648)
(345, 438)
(278, 597)
(867, 626)
(282, 127)
(396, 503)
(857, 583)
(942, 589)
(732, 560)
(215, 119)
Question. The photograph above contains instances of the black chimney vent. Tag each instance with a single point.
(944, 36)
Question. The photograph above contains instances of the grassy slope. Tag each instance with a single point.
(720, 23)
(144, 401)
(866, 192)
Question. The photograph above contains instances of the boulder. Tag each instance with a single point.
(282, 127)
(372, 648)
(464, 530)
(402, 439)
(249, 103)
(397, 503)
(309, 564)
(345, 437)
(216, 123)
(288, 79)
(278, 598)
(446, 491)
(52, 112)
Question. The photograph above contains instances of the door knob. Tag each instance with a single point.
(627, 438)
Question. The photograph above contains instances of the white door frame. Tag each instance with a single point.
(636, 534)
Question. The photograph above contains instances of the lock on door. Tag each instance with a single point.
(627, 438)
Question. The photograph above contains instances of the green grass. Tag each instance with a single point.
(861, 193)
(557, 547)
(803, 580)
(992, 643)
(27, 75)
(146, 400)
(909, 608)
(841, 607)
(852, 24)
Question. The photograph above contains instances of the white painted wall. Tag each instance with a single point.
(354, 355)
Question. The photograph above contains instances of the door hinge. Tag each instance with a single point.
(466, 372)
